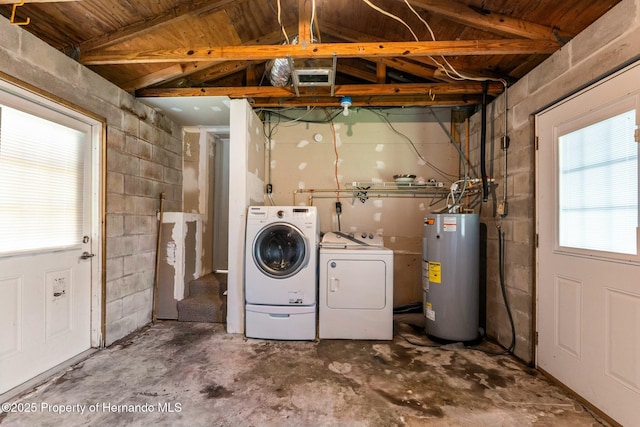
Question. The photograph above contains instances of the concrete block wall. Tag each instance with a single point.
(607, 45)
(144, 158)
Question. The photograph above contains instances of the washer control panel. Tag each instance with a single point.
(339, 239)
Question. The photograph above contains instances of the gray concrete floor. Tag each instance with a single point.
(194, 374)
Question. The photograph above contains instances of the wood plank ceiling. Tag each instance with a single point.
(387, 52)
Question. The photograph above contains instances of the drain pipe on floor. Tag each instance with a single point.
(155, 279)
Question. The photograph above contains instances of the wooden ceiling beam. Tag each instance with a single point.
(153, 78)
(412, 89)
(224, 69)
(369, 101)
(424, 67)
(488, 21)
(349, 35)
(525, 66)
(251, 77)
(381, 72)
(200, 72)
(359, 73)
(304, 22)
(220, 70)
(188, 10)
(35, 1)
(416, 69)
(324, 50)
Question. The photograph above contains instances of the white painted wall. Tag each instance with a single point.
(369, 150)
(246, 187)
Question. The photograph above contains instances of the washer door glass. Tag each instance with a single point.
(280, 250)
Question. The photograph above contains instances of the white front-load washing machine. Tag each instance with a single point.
(355, 287)
(281, 259)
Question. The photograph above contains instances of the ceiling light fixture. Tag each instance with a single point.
(345, 102)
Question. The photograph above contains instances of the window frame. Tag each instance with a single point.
(596, 115)
(25, 99)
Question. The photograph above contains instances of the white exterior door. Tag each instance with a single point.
(588, 286)
(47, 237)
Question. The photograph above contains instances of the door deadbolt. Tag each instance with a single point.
(87, 255)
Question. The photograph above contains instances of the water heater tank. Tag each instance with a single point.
(450, 254)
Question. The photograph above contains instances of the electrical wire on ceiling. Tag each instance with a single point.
(392, 16)
(314, 23)
(292, 120)
(284, 31)
(449, 69)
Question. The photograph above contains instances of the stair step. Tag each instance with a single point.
(207, 301)
(205, 285)
(202, 308)
(222, 286)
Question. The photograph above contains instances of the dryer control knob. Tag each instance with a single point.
(280, 214)
(371, 236)
(363, 235)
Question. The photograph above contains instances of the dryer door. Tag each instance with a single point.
(280, 250)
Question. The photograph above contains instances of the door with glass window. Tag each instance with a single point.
(588, 260)
(46, 238)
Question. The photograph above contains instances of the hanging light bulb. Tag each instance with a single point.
(345, 102)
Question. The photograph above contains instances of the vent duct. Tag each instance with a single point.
(303, 72)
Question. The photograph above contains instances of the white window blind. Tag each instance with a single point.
(598, 186)
(41, 183)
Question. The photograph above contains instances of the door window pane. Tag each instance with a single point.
(598, 186)
(41, 182)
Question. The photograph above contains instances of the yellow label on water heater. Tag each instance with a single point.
(435, 270)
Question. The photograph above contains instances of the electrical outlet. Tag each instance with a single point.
(502, 208)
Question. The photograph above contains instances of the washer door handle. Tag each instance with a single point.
(334, 283)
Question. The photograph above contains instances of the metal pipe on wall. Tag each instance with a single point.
(483, 141)
(155, 279)
(332, 194)
(505, 148)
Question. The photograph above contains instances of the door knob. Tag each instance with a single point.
(87, 255)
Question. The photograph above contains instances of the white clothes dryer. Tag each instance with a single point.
(355, 287)
(281, 259)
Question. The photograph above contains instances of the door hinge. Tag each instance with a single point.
(536, 338)
(535, 240)
(537, 140)
(636, 135)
